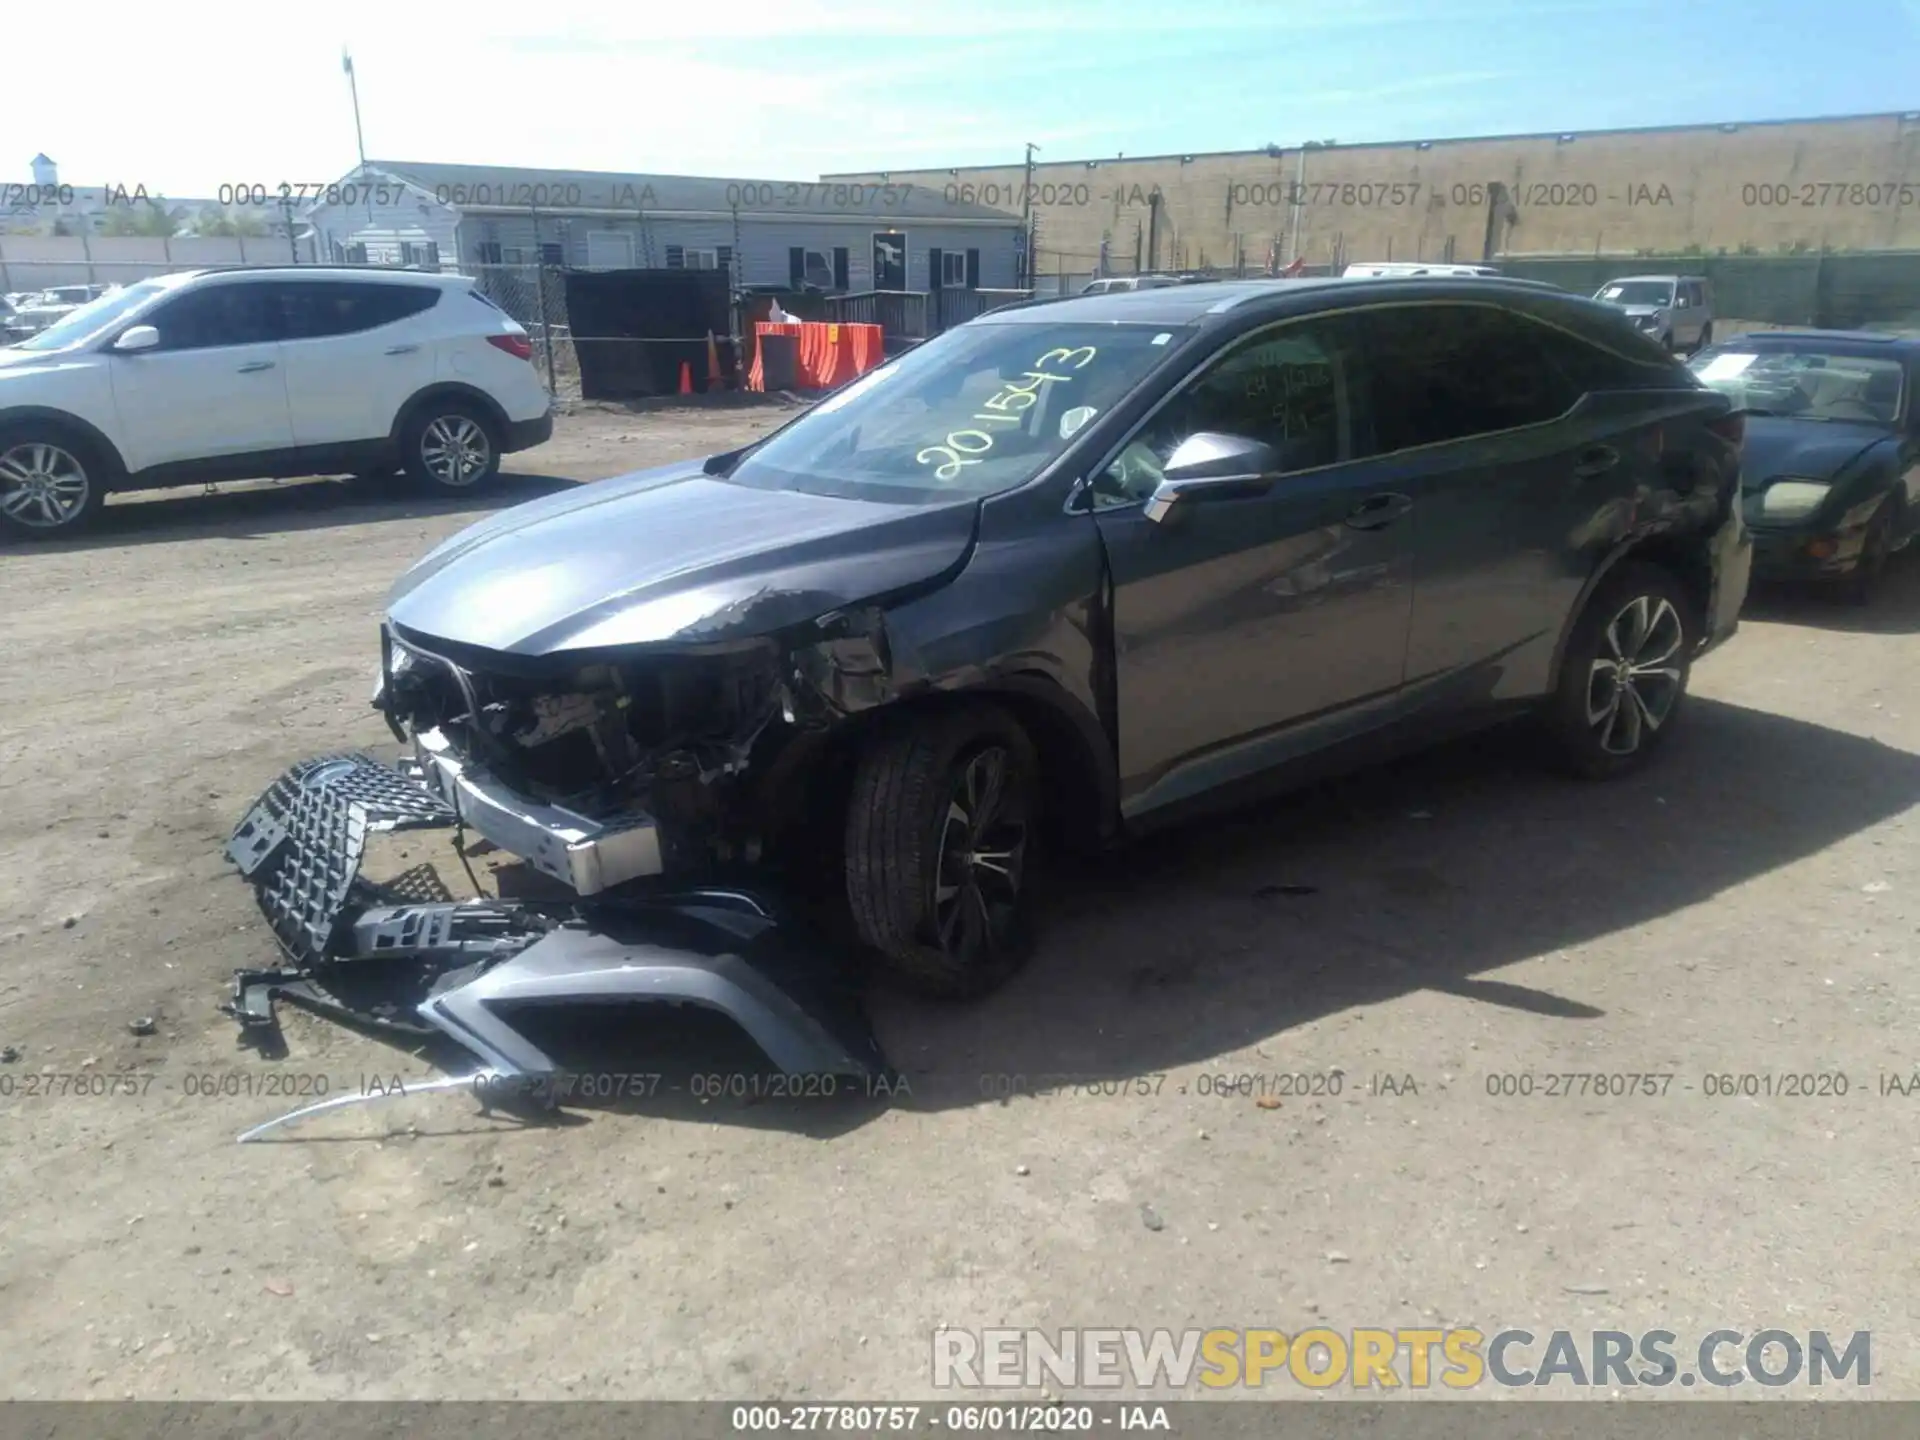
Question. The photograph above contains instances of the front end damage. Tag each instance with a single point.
(633, 781)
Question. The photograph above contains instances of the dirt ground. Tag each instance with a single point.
(1745, 908)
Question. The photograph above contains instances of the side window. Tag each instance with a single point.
(1287, 387)
(1613, 357)
(1447, 372)
(235, 313)
(316, 309)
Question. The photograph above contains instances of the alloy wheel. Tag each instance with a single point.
(455, 450)
(1634, 682)
(42, 486)
(983, 841)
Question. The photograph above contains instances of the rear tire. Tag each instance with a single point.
(450, 445)
(1623, 680)
(940, 829)
(52, 481)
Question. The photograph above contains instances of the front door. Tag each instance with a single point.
(214, 386)
(890, 260)
(1250, 630)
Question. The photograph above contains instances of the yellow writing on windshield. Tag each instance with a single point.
(962, 448)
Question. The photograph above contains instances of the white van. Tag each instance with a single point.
(1401, 270)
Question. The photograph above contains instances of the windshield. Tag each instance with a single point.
(1806, 384)
(1637, 292)
(79, 326)
(977, 411)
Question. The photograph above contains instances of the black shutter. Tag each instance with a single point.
(973, 269)
(676, 257)
(796, 266)
(840, 267)
(936, 275)
(723, 258)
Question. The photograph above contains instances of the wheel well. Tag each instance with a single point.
(449, 391)
(1686, 560)
(103, 449)
(1077, 800)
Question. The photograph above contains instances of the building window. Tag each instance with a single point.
(695, 258)
(488, 252)
(609, 250)
(553, 253)
(356, 253)
(420, 255)
(953, 269)
(724, 254)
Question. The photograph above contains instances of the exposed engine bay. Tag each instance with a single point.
(664, 749)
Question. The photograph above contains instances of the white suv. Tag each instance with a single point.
(236, 374)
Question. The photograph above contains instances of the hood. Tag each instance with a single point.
(669, 556)
(17, 360)
(1779, 445)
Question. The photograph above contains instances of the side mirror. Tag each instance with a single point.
(137, 337)
(1211, 465)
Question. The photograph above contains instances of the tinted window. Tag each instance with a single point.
(1609, 356)
(318, 308)
(214, 315)
(1445, 372)
(1287, 388)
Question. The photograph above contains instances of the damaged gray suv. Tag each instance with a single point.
(1074, 569)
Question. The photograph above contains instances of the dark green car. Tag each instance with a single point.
(1830, 470)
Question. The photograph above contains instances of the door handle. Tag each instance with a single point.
(401, 349)
(1376, 512)
(253, 367)
(1596, 461)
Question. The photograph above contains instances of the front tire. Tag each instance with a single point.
(1862, 587)
(51, 483)
(1623, 681)
(450, 445)
(1706, 337)
(938, 840)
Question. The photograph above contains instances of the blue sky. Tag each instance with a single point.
(219, 91)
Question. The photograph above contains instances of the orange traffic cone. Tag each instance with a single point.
(686, 378)
(714, 382)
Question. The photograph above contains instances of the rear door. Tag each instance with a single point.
(355, 351)
(1512, 489)
(213, 387)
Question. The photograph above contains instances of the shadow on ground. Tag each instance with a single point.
(256, 508)
(1426, 875)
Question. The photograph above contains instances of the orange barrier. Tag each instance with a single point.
(829, 355)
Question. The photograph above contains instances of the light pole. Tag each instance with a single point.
(1026, 217)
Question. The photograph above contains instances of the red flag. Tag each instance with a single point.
(1299, 264)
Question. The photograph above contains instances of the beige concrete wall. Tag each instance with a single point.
(1772, 187)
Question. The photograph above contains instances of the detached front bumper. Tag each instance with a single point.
(378, 954)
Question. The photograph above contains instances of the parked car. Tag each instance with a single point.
(50, 306)
(1378, 270)
(1070, 571)
(1831, 479)
(1113, 284)
(233, 374)
(1676, 310)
